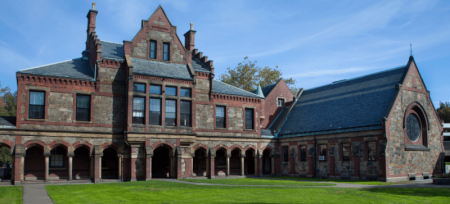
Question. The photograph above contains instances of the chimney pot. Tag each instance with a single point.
(93, 5)
(192, 26)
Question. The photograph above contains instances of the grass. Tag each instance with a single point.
(167, 192)
(338, 180)
(11, 194)
(250, 181)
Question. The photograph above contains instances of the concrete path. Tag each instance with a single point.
(36, 194)
(415, 184)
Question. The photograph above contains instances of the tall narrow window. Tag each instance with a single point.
(303, 153)
(155, 111)
(83, 106)
(285, 154)
(57, 157)
(220, 117)
(281, 102)
(249, 119)
(152, 49)
(166, 51)
(155, 89)
(185, 92)
(371, 151)
(171, 91)
(322, 152)
(138, 110)
(36, 107)
(185, 114)
(139, 88)
(171, 112)
(346, 152)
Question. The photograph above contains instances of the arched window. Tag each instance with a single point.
(415, 128)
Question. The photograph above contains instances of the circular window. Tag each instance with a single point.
(413, 127)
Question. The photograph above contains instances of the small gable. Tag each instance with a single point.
(413, 79)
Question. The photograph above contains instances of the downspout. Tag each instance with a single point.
(126, 105)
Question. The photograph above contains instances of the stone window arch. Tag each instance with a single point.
(415, 126)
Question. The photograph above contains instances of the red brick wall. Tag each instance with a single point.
(35, 162)
(271, 103)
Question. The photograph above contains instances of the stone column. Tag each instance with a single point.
(46, 168)
(228, 164)
(260, 165)
(332, 163)
(70, 168)
(242, 164)
(148, 162)
(98, 153)
(256, 165)
(212, 156)
(18, 164)
(272, 165)
(192, 164)
(134, 151)
(120, 166)
(177, 162)
(22, 172)
(92, 167)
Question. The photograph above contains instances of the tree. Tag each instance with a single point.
(8, 102)
(5, 155)
(247, 75)
(444, 111)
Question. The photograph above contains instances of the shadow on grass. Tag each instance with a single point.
(421, 192)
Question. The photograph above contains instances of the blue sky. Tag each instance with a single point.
(315, 42)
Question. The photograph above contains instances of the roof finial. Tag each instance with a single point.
(192, 26)
(410, 50)
(93, 5)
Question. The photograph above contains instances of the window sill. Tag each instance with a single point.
(138, 125)
(185, 98)
(416, 148)
(153, 125)
(32, 119)
(186, 127)
(253, 130)
(87, 122)
(220, 128)
(56, 168)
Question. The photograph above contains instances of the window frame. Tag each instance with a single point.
(135, 119)
(285, 154)
(188, 89)
(155, 85)
(302, 154)
(165, 112)
(88, 109)
(368, 151)
(154, 51)
(346, 158)
(32, 105)
(168, 51)
(53, 158)
(150, 121)
(224, 117)
(252, 118)
(278, 102)
(176, 94)
(320, 151)
(186, 115)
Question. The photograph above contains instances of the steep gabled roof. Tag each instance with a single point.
(160, 69)
(78, 68)
(7, 122)
(112, 51)
(350, 105)
(223, 88)
(267, 89)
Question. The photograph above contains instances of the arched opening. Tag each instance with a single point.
(235, 162)
(249, 162)
(199, 162)
(161, 163)
(221, 162)
(110, 164)
(34, 164)
(58, 164)
(81, 163)
(5, 163)
(415, 126)
(267, 162)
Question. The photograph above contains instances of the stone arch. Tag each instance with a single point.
(416, 109)
(35, 142)
(55, 144)
(159, 144)
(7, 143)
(233, 147)
(113, 145)
(198, 146)
(84, 144)
(416, 105)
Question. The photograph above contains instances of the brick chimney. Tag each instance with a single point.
(91, 16)
(189, 38)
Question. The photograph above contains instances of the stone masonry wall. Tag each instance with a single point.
(109, 110)
(60, 107)
(235, 119)
(204, 116)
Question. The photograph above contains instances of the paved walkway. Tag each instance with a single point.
(36, 194)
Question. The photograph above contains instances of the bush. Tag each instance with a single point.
(5, 155)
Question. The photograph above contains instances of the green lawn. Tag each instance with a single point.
(167, 192)
(11, 194)
(338, 180)
(250, 181)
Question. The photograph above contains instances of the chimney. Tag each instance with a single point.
(91, 16)
(189, 38)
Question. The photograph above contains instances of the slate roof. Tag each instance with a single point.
(351, 105)
(160, 69)
(74, 69)
(112, 51)
(279, 119)
(198, 66)
(266, 90)
(223, 88)
(7, 122)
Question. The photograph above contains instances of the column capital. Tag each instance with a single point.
(19, 150)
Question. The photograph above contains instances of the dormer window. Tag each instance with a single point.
(152, 49)
(166, 50)
(281, 102)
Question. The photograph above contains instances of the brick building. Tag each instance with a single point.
(151, 108)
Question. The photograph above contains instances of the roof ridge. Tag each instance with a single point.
(111, 42)
(351, 79)
(236, 87)
(48, 64)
